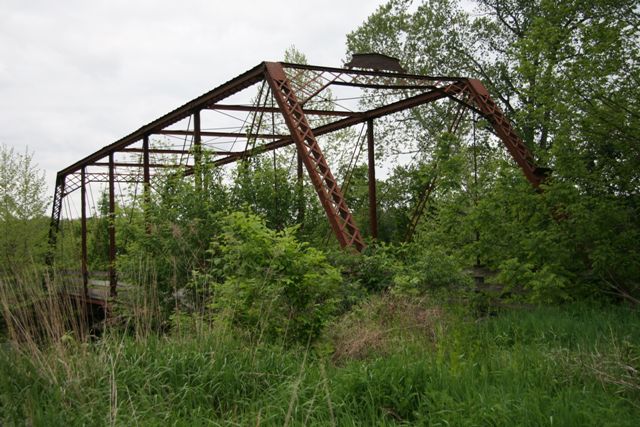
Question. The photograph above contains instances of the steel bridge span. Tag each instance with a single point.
(293, 96)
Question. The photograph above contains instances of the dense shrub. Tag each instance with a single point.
(373, 270)
(408, 269)
(269, 282)
(428, 268)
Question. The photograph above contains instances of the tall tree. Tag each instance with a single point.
(566, 74)
(22, 189)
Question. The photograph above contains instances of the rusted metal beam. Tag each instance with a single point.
(146, 165)
(261, 109)
(54, 224)
(113, 280)
(424, 98)
(92, 178)
(356, 72)
(220, 134)
(325, 184)
(512, 141)
(146, 182)
(382, 86)
(300, 189)
(134, 165)
(371, 168)
(254, 75)
(83, 233)
(171, 151)
(197, 150)
(153, 150)
(126, 177)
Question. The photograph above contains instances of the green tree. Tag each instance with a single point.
(23, 202)
(566, 74)
(267, 188)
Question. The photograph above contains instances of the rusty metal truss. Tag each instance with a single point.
(300, 99)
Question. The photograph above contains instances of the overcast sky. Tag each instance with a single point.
(76, 75)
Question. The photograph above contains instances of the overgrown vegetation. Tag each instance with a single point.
(566, 73)
(267, 281)
(393, 361)
(242, 310)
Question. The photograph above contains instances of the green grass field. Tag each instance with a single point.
(386, 363)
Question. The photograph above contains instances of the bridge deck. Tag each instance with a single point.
(98, 291)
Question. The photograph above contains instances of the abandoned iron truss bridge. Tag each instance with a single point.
(295, 99)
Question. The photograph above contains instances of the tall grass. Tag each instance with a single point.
(37, 313)
(426, 365)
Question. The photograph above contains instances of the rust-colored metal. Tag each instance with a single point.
(516, 147)
(134, 165)
(146, 172)
(375, 61)
(300, 188)
(325, 184)
(254, 75)
(294, 87)
(447, 91)
(113, 279)
(371, 169)
(146, 182)
(83, 233)
(219, 134)
(197, 149)
(263, 109)
(153, 150)
(369, 73)
(54, 224)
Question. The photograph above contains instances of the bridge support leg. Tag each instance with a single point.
(373, 203)
(113, 279)
(146, 180)
(197, 150)
(300, 189)
(56, 211)
(83, 231)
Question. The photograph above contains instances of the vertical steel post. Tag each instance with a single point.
(83, 231)
(113, 280)
(54, 225)
(373, 203)
(197, 150)
(146, 179)
(300, 189)
(475, 178)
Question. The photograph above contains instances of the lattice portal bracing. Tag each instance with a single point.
(309, 150)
